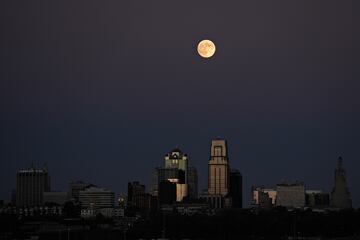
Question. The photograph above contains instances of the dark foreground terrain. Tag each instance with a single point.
(227, 224)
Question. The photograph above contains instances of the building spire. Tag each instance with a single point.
(340, 162)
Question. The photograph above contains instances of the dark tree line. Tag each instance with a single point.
(234, 224)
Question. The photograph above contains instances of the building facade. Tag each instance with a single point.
(290, 195)
(317, 199)
(340, 195)
(137, 197)
(218, 176)
(31, 184)
(75, 187)
(192, 183)
(263, 197)
(259, 195)
(235, 189)
(173, 176)
(176, 159)
(96, 198)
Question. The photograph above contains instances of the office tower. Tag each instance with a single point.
(218, 181)
(260, 195)
(154, 188)
(31, 184)
(235, 190)
(135, 189)
(290, 195)
(175, 172)
(178, 160)
(96, 198)
(137, 197)
(176, 177)
(316, 199)
(340, 195)
(192, 183)
(75, 188)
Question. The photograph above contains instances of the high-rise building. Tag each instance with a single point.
(290, 195)
(235, 190)
(31, 184)
(96, 198)
(192, 183)
(218, 181)
(340, 195)
(175, 172)
(178, 160)
(135, 191)
(154, 188)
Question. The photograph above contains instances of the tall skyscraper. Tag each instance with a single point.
(31, 184)
(340, 195)
(235, 190)
(218, 182)
(176, 159)
(192, 183)
(174, 172)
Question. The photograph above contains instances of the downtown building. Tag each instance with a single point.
(340, 195)
(192, 183)
(75, 187)
(138, 199)
(95, 201)
(175, 181)
(31, 184)
(290, 195)
(218, 177)
(317, 199)
(263, 197)
(224, 186)
(96, 198)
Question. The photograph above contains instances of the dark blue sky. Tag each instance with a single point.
(101, 90)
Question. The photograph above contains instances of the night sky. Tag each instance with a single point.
(102, 90)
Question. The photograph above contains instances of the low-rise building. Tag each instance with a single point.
(317, 199)
(96, 198)
(263, 197)
(290, 195)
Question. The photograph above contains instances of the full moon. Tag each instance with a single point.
(206, 48)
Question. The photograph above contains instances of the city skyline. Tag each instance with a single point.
(219, 149)
(100, 91)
